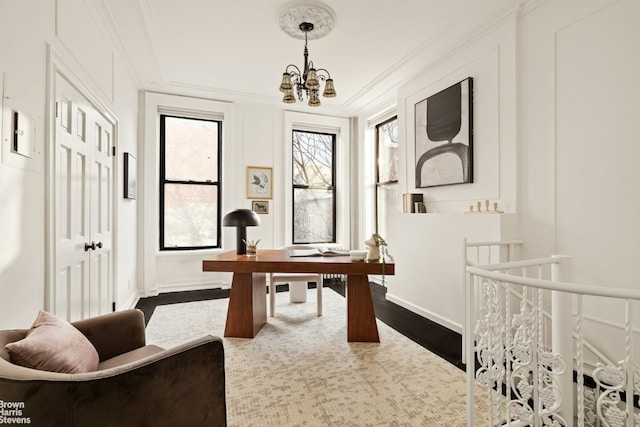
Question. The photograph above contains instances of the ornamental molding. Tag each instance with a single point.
(319, 14)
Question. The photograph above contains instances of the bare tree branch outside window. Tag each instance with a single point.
(313, 187)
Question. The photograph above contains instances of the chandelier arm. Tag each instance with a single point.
(322, 77)
(293, 73)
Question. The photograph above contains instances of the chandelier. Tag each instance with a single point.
(307, 82)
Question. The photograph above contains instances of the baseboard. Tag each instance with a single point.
(131, 303)
(447, 323)
(192, 286)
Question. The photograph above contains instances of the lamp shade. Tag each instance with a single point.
(314, 100)
(286, 83)
(241, 218)
(312, 79)
(289, 98)
(329, 90)
(244, 217)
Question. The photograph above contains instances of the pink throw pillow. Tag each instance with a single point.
(53, 344)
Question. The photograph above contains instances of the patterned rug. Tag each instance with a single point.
(301, 371)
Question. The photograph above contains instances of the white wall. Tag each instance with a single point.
(22, 191)
(67, 26)
(579, 106)
(254, 135)
(430, 259)
(182, 270)
(490, 59)
(555, 142)
(427, 248)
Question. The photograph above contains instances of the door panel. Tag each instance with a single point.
(83, 285)
(101, 222)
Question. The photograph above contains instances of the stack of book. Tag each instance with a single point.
(413, 203)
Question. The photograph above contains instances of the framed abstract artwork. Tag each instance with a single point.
(259, 182)
(444, 137)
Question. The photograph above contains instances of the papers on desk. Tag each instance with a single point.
(318, 252)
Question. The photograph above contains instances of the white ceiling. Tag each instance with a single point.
(236, 50)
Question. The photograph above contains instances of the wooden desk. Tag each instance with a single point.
(247, 312)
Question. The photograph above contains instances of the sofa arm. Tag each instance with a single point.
(114, 333)
(181, 386)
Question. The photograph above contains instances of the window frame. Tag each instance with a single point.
(331, 187)
(377, 183)
(162, 181)
(345, 173)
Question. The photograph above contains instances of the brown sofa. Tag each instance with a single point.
(135, 384)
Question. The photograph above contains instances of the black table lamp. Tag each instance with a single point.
(241, 218)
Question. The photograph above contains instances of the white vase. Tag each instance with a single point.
(373, 254)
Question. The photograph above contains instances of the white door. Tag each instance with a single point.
(83, 173)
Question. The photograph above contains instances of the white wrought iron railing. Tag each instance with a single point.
(525, 358)
(481, 253)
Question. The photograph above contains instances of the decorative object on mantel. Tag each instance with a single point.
(378, 250)
(306, 21)
(241, 218)
(413, 202)
(478, 208)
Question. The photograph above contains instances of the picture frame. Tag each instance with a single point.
(130, 176)
(260, 207)
(444, 137)
(259, 182)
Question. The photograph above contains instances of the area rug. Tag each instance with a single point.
(301, 371)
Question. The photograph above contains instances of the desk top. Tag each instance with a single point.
(279, 261)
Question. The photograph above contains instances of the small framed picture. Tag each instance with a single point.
(130, 183)
(259, 182)
(260, 206)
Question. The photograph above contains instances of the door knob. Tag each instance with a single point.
(92, 246)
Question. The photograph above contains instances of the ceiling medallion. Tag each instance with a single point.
(318, 14)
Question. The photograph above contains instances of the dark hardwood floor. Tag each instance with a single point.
(430, 335)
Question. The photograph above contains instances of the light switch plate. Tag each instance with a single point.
(23, 132)
(22, 149)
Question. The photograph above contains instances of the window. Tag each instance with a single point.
(314, 191)
(387, 198)
(189, 183)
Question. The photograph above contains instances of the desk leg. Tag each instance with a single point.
(361, 317)
(247, 312)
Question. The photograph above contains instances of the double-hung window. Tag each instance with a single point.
(387, 198)
(190, 192)
(314, 188)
